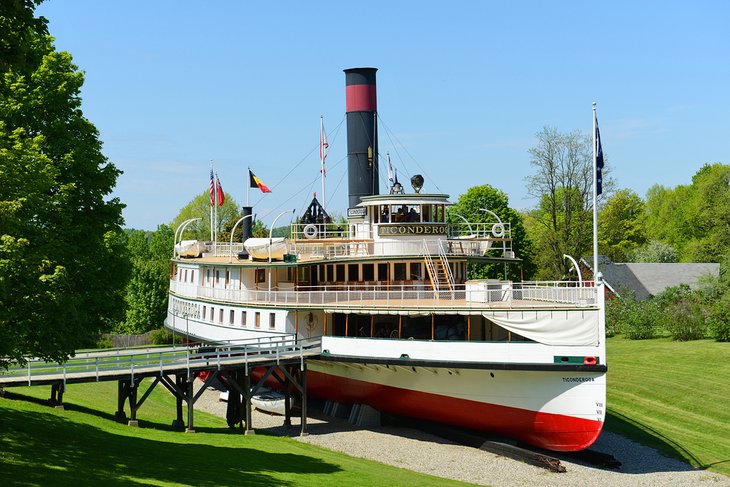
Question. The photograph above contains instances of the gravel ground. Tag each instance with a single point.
(421, 452)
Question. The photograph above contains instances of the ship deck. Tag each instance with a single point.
(400, 299)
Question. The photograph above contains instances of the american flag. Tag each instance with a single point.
(212, 188)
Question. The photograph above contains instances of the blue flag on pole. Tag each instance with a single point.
(599, 161)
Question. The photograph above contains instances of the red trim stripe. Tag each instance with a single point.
(360, 98)
(546, 430)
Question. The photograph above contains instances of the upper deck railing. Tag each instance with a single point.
(330, 242)
(415, 295)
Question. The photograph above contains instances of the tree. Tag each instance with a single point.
(147, 290)
(62, 255)
(199, 207)
(694, 218)
(563, 182)
(470, 204)
(621, 225)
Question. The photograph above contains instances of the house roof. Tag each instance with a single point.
(650, 279)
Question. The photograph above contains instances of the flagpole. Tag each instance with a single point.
(322, 156)
(595, 200)
(211, 206)
(217, 187)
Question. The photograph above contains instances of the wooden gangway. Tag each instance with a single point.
(176, 367)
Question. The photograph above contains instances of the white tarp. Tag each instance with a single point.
(550, 327)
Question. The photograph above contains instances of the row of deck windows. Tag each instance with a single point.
(209, 314)
(473, 328)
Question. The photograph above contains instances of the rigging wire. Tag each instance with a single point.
(395, 148)
(336, 132)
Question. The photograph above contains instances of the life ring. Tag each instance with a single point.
(498, 230)
(310, 231)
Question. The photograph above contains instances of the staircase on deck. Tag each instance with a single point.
(439, 271)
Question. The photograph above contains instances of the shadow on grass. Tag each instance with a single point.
(648, 436)
(65, 452)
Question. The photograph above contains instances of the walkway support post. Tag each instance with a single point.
(191, 404)
(247, 398)
(304, 400)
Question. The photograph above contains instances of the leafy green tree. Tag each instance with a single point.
(147, 290)
(470, 205)
(199, 207)
(62, 255)
(694, 219)
(621, 225)
(563, 182)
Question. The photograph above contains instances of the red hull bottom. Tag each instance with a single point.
(545, 430)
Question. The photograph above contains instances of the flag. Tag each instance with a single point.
(599, 162)
(391, 181)
(212, 188)
(323, 145)
(219, 190)
(256, 183)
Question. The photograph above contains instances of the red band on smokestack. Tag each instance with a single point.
(360, 98)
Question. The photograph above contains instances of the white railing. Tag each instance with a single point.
(480, 230)
(411, 296)
(98, 364)
(472, 239)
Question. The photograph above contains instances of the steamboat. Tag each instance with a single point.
(403, 329)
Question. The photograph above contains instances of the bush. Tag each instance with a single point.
(163, 336)
(637, 320)
(104, 342)
(719, 319)
(683, 314)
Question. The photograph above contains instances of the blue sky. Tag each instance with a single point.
(462, 89)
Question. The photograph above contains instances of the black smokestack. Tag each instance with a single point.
(362, 135)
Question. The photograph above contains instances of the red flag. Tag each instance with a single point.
(255, 182)
(221, 196)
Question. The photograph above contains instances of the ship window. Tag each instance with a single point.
(399, 272)
(185, 279)
(340, 273)
(260, 275)
(382, 272)
(272, 320)
(257, 323)
(228, 277)
(416, 271)
(217, 276)
(243, 318)
(220, 315)
(204, 311)
(413, 213)
(207, 275)
(231, 317)
(352, 272)
(399, 213)
(330, 270)
(368, 272)
(384, 213)
(426, 213)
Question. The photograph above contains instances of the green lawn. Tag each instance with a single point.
(674, 396)
(83, 445)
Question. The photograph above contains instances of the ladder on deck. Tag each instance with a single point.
(439, 270)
